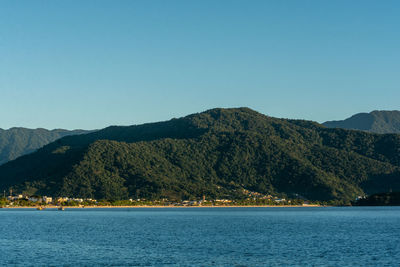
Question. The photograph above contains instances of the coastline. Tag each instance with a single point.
(158, 207)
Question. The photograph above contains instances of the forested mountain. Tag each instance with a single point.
(216, 153)
(16, 142)
(376, 122)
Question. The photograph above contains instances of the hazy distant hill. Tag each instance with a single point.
(214, 153)
(376, 122)
(16, 142)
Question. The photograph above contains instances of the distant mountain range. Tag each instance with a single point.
(216, 153)
(376, 122)
(16, 142)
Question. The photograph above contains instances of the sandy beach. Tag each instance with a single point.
(119, 207)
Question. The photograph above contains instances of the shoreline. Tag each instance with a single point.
(158, 207)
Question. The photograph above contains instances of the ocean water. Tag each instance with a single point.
(343, 236)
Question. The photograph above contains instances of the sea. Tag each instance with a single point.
(276, 236)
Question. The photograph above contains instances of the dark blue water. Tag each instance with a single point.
(202, 237)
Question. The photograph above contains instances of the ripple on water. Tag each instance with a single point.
(202, 237)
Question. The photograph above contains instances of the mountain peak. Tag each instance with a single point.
(217, 153)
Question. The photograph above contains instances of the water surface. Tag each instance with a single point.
(345, 236)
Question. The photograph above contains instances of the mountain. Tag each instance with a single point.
(216, 153)
(376, 122)
(16, 142)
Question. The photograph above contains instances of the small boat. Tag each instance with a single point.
(40, 208)
(60, 208)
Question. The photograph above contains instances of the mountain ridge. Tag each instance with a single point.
(377, 121)
(18, 141)
(215, 153)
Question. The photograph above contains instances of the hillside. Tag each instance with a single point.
(16, 142)
(377, 122)
(216, 153)
(382, 199)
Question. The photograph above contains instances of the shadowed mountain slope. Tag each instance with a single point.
(16, 142)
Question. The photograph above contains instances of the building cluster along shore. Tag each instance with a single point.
(21, 200)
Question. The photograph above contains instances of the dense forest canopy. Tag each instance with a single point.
(16, 142)
(216, 153)
(381, 199)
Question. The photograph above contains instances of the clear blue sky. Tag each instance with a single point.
(90, 64)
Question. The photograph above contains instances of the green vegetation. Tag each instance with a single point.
(382, 199)
(376, 122)
(3, 202)
(16, 142)
(218, 153)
